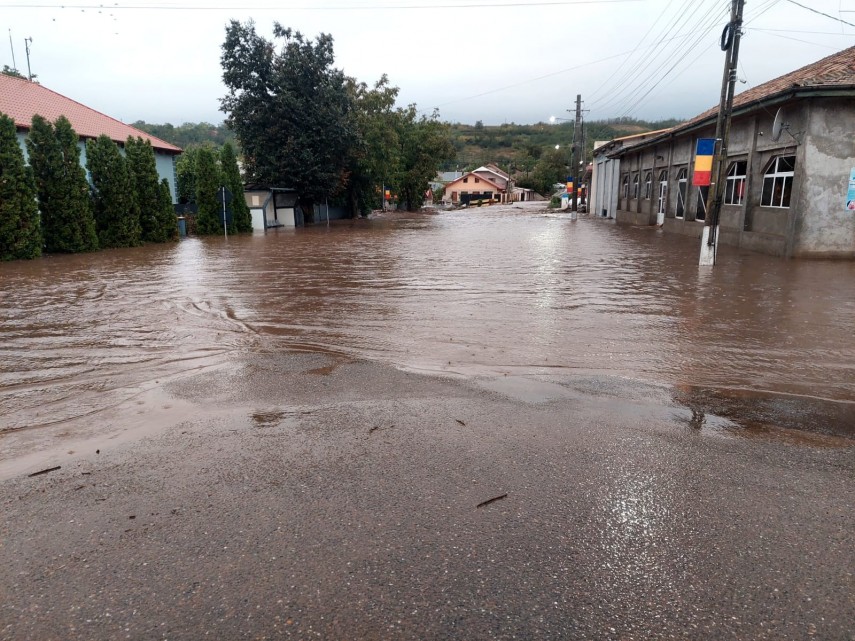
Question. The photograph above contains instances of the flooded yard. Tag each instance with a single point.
(511, 291)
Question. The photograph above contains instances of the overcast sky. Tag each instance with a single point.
(474, 60)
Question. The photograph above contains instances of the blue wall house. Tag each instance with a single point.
(21, 99)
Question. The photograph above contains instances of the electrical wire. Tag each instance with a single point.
(798, 4)
(478, 5)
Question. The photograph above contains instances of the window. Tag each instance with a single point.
(648, 185)
(466, 180)
(682, 188)
(635, 186)
(477, 180)
(778, 182)
(625, 187)
(663, 191)
(701, 209)
(734, 190)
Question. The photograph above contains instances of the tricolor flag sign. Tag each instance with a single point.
(703, 162)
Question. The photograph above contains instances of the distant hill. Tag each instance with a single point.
(522, 145)
(190, 134)
(476, 145)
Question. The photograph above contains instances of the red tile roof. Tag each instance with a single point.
(835, 71)
(21, 100)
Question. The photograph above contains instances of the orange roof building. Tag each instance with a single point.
(21, 99)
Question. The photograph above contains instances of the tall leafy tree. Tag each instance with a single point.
(185, 175)
(289, 108)
(425, 145)
(375, 156)
(242, 219)
(66, 212)
(209, 217)
(117, 217)
(20, 231)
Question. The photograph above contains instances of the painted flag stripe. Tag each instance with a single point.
(702, 178)
(705, 147)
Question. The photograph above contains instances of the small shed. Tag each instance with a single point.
(271, 206)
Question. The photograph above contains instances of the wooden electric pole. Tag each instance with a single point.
(730, 45)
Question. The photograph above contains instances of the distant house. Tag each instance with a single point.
(21, 99)
(474, 186)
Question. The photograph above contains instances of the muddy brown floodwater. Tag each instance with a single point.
(504, 291)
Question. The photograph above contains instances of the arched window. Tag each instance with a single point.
(648, 185)
(625, 187)
(682, 188)
(635, 186)
(734, 190)
(663, 191)
(778, 182)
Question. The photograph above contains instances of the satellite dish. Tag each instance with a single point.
(778, 125)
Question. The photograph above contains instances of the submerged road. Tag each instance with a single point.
(301, 436)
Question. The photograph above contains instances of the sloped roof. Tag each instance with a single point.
(472, 173)
(21, 99)
(833, 73)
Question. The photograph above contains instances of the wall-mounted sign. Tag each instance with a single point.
(850, 195)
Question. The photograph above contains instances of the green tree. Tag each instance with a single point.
(66, 211)
(551, 168)
(11, 71)
(158, 225)
(20, 231)
(167, 220)
(241, 217)
(289, 108)
(117, 217)
(185, 175)
(425, 145)
(209, 217)
(374, 159)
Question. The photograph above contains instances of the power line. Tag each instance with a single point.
(820, 12)
(807, 42)
(818, 33)
(631, 96)
(478, 5)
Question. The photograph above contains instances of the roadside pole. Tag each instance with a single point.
(225, 226)
(730, 44)
(574, 157)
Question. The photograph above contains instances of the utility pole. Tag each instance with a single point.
(730, 45)
(573, 155)
(12, 47)
(27, 43)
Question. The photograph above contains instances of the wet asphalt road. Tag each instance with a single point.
(351, 512)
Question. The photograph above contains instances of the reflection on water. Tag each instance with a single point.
(504, 291)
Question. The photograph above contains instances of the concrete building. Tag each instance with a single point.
(21, 99)
(791, 153)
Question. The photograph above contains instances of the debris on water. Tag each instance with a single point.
(50, 469)
(378, 427)
(492, 500)
(461, 422)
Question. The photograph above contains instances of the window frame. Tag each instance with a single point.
(771, 178)
(625, 186)
(682, 193)
(734, 186)
(648, 185)
(636, 186)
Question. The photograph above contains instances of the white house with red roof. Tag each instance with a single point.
(21, 99)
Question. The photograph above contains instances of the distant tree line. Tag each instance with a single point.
(49, 205)
(190, 134)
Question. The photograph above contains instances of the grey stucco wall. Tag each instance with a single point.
(824, 226)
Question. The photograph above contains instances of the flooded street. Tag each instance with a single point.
(491, 292)
(495, 424)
